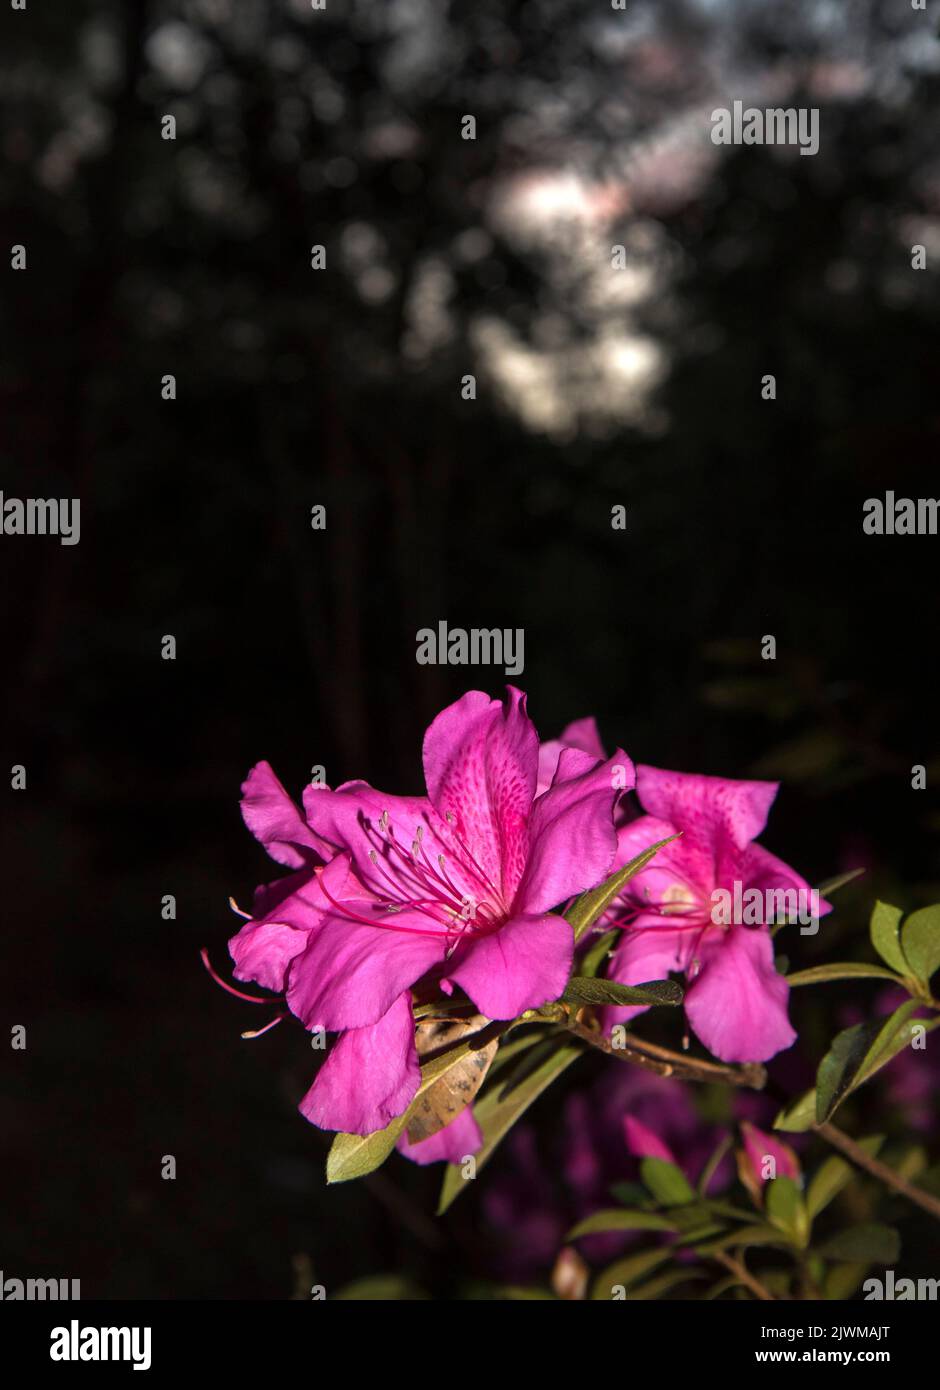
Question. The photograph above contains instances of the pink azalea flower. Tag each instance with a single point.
(736, 1002)
(456, 886)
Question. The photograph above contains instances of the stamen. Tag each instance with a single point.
(257, 1032)
(249, 998)
(345, 911)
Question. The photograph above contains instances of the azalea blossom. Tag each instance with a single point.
(736, 1002)
(454, 888)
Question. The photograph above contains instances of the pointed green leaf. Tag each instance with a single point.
(668, 1184)
(619, 1219)
(832, 1175)
(869, 1241)
(783, 1203)
(496, 1115)
(832, 885)
(841, 1065)
(623, 1273)
(859, 1052)
(842, 1280)
(530, 1061)
(758, 1234)
(920, 941)
(590, 906)
(799, 1115)
(354, 1155)
(583, 990)
(883, 928)
(841, 970)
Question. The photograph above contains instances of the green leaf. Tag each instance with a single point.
(858, 1052)
(894, 1037)
(355, 1155)
(832, 885)
(595, 957)
(509, 1051)
(590, 906)
(920, 941)
(798, 1115)
(883, 928)
(871, 1242)
(619, 1219)
(783, 1202)
(842, 1280)
(841, 970)
(758, 1234)
(627, 1271)
(583, 990)
(832, 1175)
(530, 1061)
(668, 1184)
(840, 1066)
(496, 1115)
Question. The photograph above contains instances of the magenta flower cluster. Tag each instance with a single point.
(397, 897)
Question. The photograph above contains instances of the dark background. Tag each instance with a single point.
(342, 387)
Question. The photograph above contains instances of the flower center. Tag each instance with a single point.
(451, 891)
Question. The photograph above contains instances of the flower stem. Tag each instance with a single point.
(665, 1062)
(744, 1276)
(841, 1141)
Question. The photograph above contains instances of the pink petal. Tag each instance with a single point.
(525, 963)
(362, 821)
(572, 838)
(758, 1145)
(265, 946)
(718, 816)
(350, 974)
(643, 1143)
(765, 871)
(583, 734)
(275, 820)
(370, 1076)
(451, 1144)
(481, 764)
(737, 1005)
(263, 952)
(669, 877)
